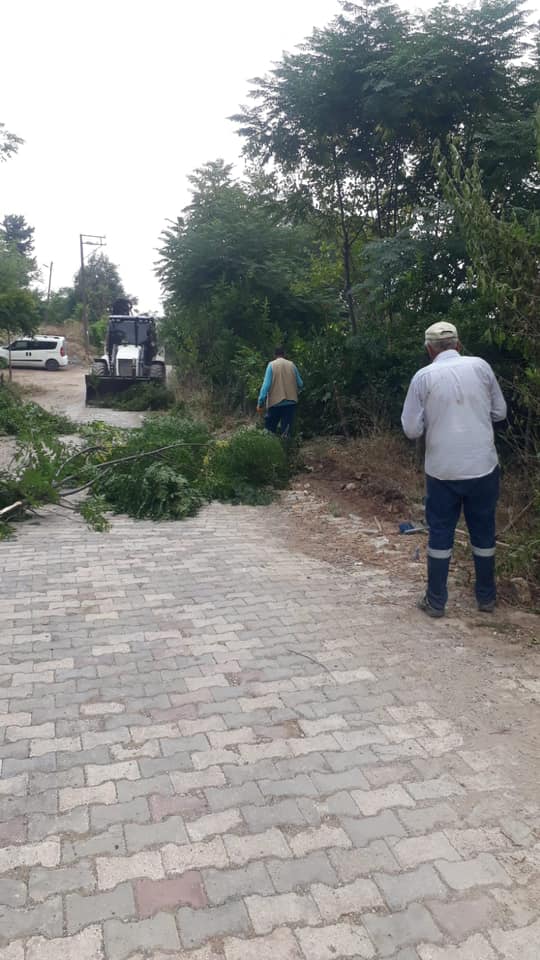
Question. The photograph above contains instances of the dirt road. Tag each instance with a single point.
(64, 392)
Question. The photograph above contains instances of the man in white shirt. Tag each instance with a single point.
(455, 401)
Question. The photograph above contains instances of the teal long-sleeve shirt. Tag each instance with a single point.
(267, 383)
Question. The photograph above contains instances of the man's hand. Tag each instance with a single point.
(260, 409)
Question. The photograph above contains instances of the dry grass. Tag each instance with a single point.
(384, 465)
(386, 476)
(201, 403)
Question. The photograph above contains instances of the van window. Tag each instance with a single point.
(43, 344)
(21, 345)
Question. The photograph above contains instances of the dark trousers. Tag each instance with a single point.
(280, 416)
(444, 501)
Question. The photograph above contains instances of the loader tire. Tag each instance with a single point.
(157, 371)
(99, 368)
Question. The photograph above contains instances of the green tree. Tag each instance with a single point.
(18, 233)
(351, 119)
(18, 266)
(19, 313)
(15, 270)
(101, 283)
(504, 250)
(9, 143)
(63, 306)
(232, 275)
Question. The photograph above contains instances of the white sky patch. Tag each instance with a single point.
(118, 100)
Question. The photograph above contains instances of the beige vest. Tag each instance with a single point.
(284, 385)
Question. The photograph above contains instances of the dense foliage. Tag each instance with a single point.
(392, 180)
(233, 270)
(19, 303)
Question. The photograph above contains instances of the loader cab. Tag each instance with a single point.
(135, 331)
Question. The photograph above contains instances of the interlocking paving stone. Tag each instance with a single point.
(363, 830)
(338, 939)
(87, 945)
(194, 856)
(216, 754)
(114, 870)
(222, 885)
(81, 911)
(46, 853)
(196, 926)
(269, 912)
(410, 926)
(44, 918)
(140, 836)
(12, 893)
(353, 897)
(476, 948)
(271, 843)
(415, 850)
(154, 895)
(404, 888)
(463, 875)
(279, 945)
(123, 938)
(43, 883)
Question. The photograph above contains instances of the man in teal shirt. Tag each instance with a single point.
(279, 392)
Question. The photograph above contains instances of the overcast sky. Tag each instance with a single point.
(117, 101)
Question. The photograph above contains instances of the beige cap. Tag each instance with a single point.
(441, 331)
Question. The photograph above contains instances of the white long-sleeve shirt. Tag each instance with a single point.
(455, 401)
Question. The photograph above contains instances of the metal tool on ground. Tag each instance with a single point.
(407, 527)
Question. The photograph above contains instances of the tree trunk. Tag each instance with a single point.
(378, 203)
(346, 245)
(341, 415)
(395, 177)
(347, 291)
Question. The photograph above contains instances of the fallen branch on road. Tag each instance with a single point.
(166, 469)
(12, 507)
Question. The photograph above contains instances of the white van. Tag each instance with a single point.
(37, 351)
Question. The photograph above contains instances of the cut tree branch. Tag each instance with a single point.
(12, 507)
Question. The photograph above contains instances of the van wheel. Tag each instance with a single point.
(52, 364)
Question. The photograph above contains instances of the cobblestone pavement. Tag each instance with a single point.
(216, 749)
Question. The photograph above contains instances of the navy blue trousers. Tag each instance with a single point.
(280, 416)
(444, 501)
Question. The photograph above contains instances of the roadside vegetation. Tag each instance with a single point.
(23, 418)
(166, 469)
(391, 180)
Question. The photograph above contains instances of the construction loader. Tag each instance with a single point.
(131, 355)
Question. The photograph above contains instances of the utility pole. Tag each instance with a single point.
(50, 268)
(50, 281)
(87, 240)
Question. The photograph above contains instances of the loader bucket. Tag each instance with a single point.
(99, 388)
